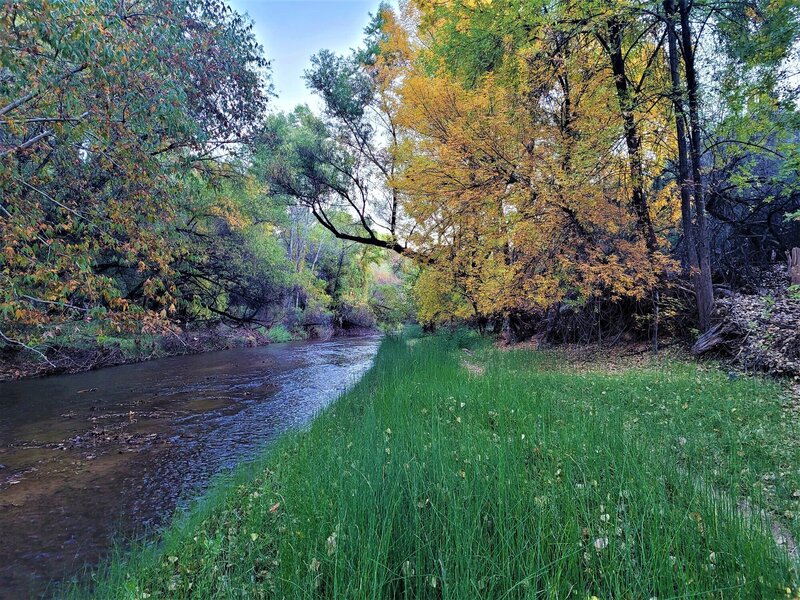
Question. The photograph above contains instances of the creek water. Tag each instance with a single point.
(89, 458)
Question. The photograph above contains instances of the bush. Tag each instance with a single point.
(278, 334)
(353, 316)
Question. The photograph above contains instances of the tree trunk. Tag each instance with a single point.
(684, 176)
(794, 266)
(632, 138)
(703, 285)
(508, 334)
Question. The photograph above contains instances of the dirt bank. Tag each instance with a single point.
(16, 363)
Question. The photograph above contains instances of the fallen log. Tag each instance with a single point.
(721, 338)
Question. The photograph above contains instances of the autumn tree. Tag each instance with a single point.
(604, 98)
(103, 107)
(516, 172)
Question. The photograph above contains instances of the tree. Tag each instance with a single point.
(103, 107)
(515, 183)
(728, 21)
(546, 72)
(348, 159)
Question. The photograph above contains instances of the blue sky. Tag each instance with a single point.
(292, 30)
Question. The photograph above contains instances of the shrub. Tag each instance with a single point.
(278, 334)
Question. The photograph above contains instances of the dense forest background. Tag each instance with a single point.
(136, 196)
(572, 170)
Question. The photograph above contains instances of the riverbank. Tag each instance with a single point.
(458, 470)
(86, 350)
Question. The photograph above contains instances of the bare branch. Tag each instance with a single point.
(24, 146)
(26, 347)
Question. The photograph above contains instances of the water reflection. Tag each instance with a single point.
(85, 457)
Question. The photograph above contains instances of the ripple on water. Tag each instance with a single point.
(87, 457)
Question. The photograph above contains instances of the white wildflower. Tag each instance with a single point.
(601, 543)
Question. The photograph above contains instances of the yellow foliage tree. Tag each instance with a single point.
(518, 179)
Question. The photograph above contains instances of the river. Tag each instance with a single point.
(89, 458)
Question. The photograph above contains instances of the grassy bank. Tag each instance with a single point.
(448, 473)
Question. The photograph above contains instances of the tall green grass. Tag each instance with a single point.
(527, 481)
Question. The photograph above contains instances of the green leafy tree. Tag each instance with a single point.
(104, 106)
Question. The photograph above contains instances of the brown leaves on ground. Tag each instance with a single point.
(610, 358)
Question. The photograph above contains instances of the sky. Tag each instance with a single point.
(292, 30)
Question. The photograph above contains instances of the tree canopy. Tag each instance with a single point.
(532, 160)
(540, 156)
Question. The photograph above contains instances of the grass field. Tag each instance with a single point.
(485, 473)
